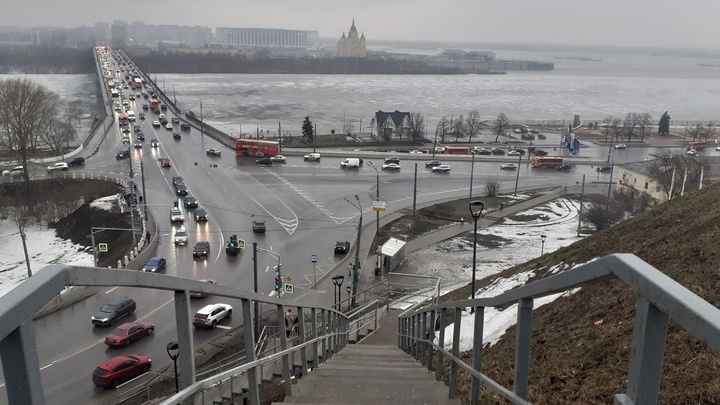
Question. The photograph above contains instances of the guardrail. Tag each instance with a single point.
(660, 300)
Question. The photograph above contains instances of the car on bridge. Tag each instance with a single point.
(201, 248)
(155, 264)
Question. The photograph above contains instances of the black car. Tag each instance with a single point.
(264, 161)
(181, 189)
(603, 169)
(540, 152)
(185, 126)
(163, 107)
(78, 161)
(177, 180)
(483, 151)
(342, 247)
(392, 159)
(109, 313)
(498, 151)
(258, 226)
(201, 248)
(200, 214)
(176, 135)
(190, 201)
(433, 163)
(122, 154)
(564, 167)
(541, 136)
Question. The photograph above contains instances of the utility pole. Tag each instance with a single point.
(517, 175)
(314, 137)
(202, 125)
(582, 194)
(472, 172)
(279, 137)
(255, 289)
(415, 190)
(356, 274)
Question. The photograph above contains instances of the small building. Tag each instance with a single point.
(635, 177)
(390, 126)
(390, 255)
(352, 46)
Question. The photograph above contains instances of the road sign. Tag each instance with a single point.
(378, 206)
(313, 259)
(102, 247)
(241, 243)
(288, 278)
(289, 288)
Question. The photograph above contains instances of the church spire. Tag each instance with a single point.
(352, 28)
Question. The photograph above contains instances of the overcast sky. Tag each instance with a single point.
(660, 23)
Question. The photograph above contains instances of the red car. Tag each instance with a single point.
(129, 332)
(165, 162)
(120, 369)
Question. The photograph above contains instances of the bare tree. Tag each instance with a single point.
(458, 126)
(616, 129)
(607, 124)
(644, 121)
(502, 122)
(492, 187)
(27, 108)
(709, 130)
(57, 134)
(348, 128)
(629, 124)
(442, 127)
(472, 123)
(669, 172)
(416, 123)
(73, 112)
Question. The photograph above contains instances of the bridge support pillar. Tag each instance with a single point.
(186, 359)
(22, 367)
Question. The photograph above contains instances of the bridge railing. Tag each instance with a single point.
(660, 299)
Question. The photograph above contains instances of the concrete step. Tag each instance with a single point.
(399, 374)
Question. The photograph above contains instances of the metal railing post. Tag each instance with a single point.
(431, 338)
(250, 352)
(455, 352)
(302, 339)
(287, 367)
(477, 352)
(423, 333)
(441, 343)
(522, 346)
(315, 335)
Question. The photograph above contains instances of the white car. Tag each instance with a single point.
(58, 167)
(168, 126)
(391, 166)
(15, 171)
(513, 152)
(508, 166)
(209, 315)
(620, 146)
(156, 123)
(161, 116)
(180, 237)
(692, 152)
(279, 159)
(214, 152)
(441, 169)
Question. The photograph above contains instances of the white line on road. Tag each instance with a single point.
(110, 290)
(223, 327)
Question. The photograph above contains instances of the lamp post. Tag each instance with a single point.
(517, 175)
(476, 208)
(377, 196)
(542, 246)
(472, 171)
(337, 282)
(348, 288)
(173, 350)
(356, 267)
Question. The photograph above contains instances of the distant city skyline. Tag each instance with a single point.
(613, 22)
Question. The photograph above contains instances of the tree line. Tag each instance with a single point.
(262, 62)
(46, 60)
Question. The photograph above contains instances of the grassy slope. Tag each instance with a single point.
(575, 362)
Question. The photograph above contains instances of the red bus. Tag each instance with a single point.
(547, 161)
(256, 147)
(138, 83)
(698, 145)
(154, 103)
(457, 150)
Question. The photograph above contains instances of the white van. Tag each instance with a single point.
(130, 115)
(350, 162)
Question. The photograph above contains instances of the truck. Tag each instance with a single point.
(312, 156)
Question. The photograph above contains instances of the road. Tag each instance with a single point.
(305, 209)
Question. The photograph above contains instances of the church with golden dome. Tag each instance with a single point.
(352, 46)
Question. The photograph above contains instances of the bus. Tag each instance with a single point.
(457, 150)
(699, 145)
(256, 147)
(154, 103)
(138, 83)
(547, 161)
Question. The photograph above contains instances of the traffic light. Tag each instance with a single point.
(175, 204)
(278, 284)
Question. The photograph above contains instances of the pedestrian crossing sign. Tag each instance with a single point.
(289, 288)
(102, 247)
(241, 243)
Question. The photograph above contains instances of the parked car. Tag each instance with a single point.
(432, 163)
(213, 152)
(279, 159)
(391, 166)
(16, 171)
(508, 166)
(200, 214)
(78, 161)
(113, 372)
(155, 264)
(441, 169)
(201, 248)
(109, 313)
(264, 161)
(342, 247)
(60, 166)
(209, 315)
(603, 169)
(198, 294)
(129, 332)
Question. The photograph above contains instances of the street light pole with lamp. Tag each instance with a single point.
(476, 208)
(337, 282)
(348, 288)
(173, 350)
(377, 196)
(542, 246)
(356, 267)
(517, 175)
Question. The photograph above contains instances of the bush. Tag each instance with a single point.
(492, 187)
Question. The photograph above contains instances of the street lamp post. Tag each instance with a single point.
(542, 246)
(377, 197)
(356, 267)
(472, 172)
(517, 175)
(337, 282)
(348, 288)
(173, 350)
(476, 208)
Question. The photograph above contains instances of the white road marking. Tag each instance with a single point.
(222, 327)
(110, 290)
